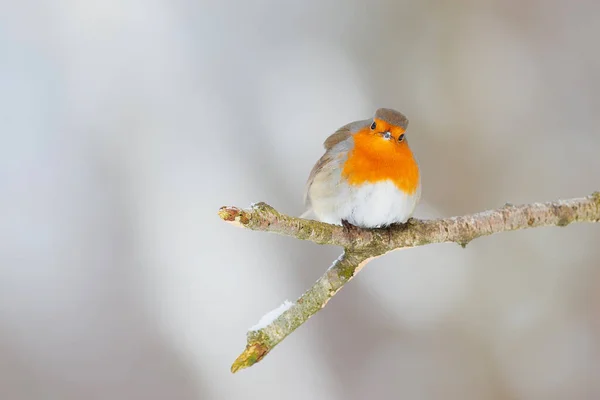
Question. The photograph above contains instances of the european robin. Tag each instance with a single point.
(368, 176)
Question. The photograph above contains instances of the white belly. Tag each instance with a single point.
(369, 205)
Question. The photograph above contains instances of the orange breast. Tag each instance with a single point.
(374, 159)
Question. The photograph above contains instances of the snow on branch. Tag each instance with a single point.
(362, 245)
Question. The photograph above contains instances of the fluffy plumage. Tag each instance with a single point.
(367, 177)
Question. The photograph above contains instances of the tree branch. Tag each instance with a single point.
(362, 245)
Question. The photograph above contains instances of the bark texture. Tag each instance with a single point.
(362, 245)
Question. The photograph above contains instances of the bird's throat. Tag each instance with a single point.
(373, 159)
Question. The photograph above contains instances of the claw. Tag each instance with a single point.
(398, 226)
(389, 230)
(349, 228)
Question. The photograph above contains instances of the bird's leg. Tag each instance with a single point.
(399, 226)
(349, 228)
(404, 225)
(390, 229)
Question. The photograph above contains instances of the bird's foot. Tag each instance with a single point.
(390, 230)
(350, 229)
(398, 226)
(406, 224)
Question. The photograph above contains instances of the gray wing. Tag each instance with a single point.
(341, 135)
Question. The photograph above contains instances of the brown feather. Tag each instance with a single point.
(324, 160)
(335, 138)
(392, 117)
(338, 136)
(345, 132)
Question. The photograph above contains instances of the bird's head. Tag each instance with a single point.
(389, 125)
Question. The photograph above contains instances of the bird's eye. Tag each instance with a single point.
(373, 125)
(387, 135)
(401, 137)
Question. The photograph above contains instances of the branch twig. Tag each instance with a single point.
(362, 245)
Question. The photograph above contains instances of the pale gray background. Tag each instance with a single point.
(126, 125)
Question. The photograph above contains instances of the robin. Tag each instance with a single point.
(368, 176)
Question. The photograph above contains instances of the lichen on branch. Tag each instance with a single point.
(362, 245)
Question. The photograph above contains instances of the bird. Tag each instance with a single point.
(368, 176)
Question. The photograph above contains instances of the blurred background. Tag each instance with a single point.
(126, 125)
